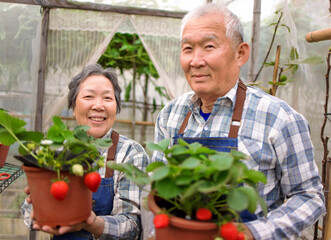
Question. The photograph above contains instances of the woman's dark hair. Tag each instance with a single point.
(90, 70)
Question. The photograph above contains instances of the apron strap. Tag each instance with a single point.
(237, 112)
(111, 153)
(184, 124)
(238, 109)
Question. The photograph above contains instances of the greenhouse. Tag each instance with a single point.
(45, 43)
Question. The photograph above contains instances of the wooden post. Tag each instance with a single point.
(254, 41)
(274, 77)
(42, 70)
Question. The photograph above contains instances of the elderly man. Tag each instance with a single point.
(222, 110)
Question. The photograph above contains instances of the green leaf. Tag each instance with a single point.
(103, 142)
(127, 94)
(55, 134)
(314, 60)
(6, 137)
(30, 136)
(161, 146)
(190, 163)
(251, 196)
(152, 166)
(255, 176)
(167, 188)
(294, 54)
(221, 161)
(185, 178)
(160, 173)
(58, 122)
(237, 200)
(263, 205)
(10, 123)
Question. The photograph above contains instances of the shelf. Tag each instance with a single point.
(14, 171)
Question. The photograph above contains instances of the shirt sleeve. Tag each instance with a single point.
(300, 184)
(124, 221)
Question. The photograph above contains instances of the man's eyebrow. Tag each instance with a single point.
(209, 37)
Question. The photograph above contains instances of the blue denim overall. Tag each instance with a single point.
(223, 144)
(102, 199)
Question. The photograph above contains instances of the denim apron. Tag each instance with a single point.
(223, 144)
(102, 199)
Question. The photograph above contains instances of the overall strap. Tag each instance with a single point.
(111, 153)
(237, 112)
(184, 124)
(238, 109)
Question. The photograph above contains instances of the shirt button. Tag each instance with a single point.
(205, 128)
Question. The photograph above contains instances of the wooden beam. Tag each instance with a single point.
(42, 70)
(100, 7)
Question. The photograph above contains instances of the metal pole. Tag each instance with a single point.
(42, 70)
(254, 41)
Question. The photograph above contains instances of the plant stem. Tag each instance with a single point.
(269, 50)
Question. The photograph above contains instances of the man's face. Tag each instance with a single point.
(208, 58)
(96, 105)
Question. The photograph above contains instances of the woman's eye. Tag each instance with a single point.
(88, 96)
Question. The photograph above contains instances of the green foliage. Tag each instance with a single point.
(60, 147)
(197, 177)
(126, 52)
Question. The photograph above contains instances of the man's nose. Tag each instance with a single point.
(197, 58)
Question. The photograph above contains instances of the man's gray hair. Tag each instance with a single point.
(234, 28)
(91, 70)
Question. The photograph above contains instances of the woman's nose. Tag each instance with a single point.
(98, 105)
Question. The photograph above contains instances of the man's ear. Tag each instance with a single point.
(242, 53)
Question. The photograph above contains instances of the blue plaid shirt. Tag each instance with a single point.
(277, 141)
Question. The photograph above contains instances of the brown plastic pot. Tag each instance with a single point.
(3, 154)
(180, 228)
(74, 208)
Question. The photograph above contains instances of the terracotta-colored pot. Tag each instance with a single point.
(74, 208)
(3, 154)
(180, 228)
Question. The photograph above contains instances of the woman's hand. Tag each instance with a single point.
(93, 224)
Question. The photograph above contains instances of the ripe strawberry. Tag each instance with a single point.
(240, 236)
(229, 231)
(161, 220)
(92, 180)
(203, 214)
(59, 190)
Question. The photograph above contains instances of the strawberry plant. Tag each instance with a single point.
(199, 183)
(60, 149)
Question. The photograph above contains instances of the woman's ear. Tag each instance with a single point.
(242, 53)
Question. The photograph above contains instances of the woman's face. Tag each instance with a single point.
(96, 105)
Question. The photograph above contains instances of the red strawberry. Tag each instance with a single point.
(240, 236)
(92, 180)
(161, 220)
(59, 190)
(229, 231)
(203, 214)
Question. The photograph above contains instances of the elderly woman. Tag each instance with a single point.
(95, 99)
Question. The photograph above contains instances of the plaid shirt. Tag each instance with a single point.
(277, 141)
(124, 221)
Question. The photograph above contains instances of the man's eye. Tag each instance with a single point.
(209, 46)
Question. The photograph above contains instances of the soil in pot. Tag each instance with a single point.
(181, 228)
(74, 208)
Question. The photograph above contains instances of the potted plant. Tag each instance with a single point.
(60, 167)
(198, 191)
